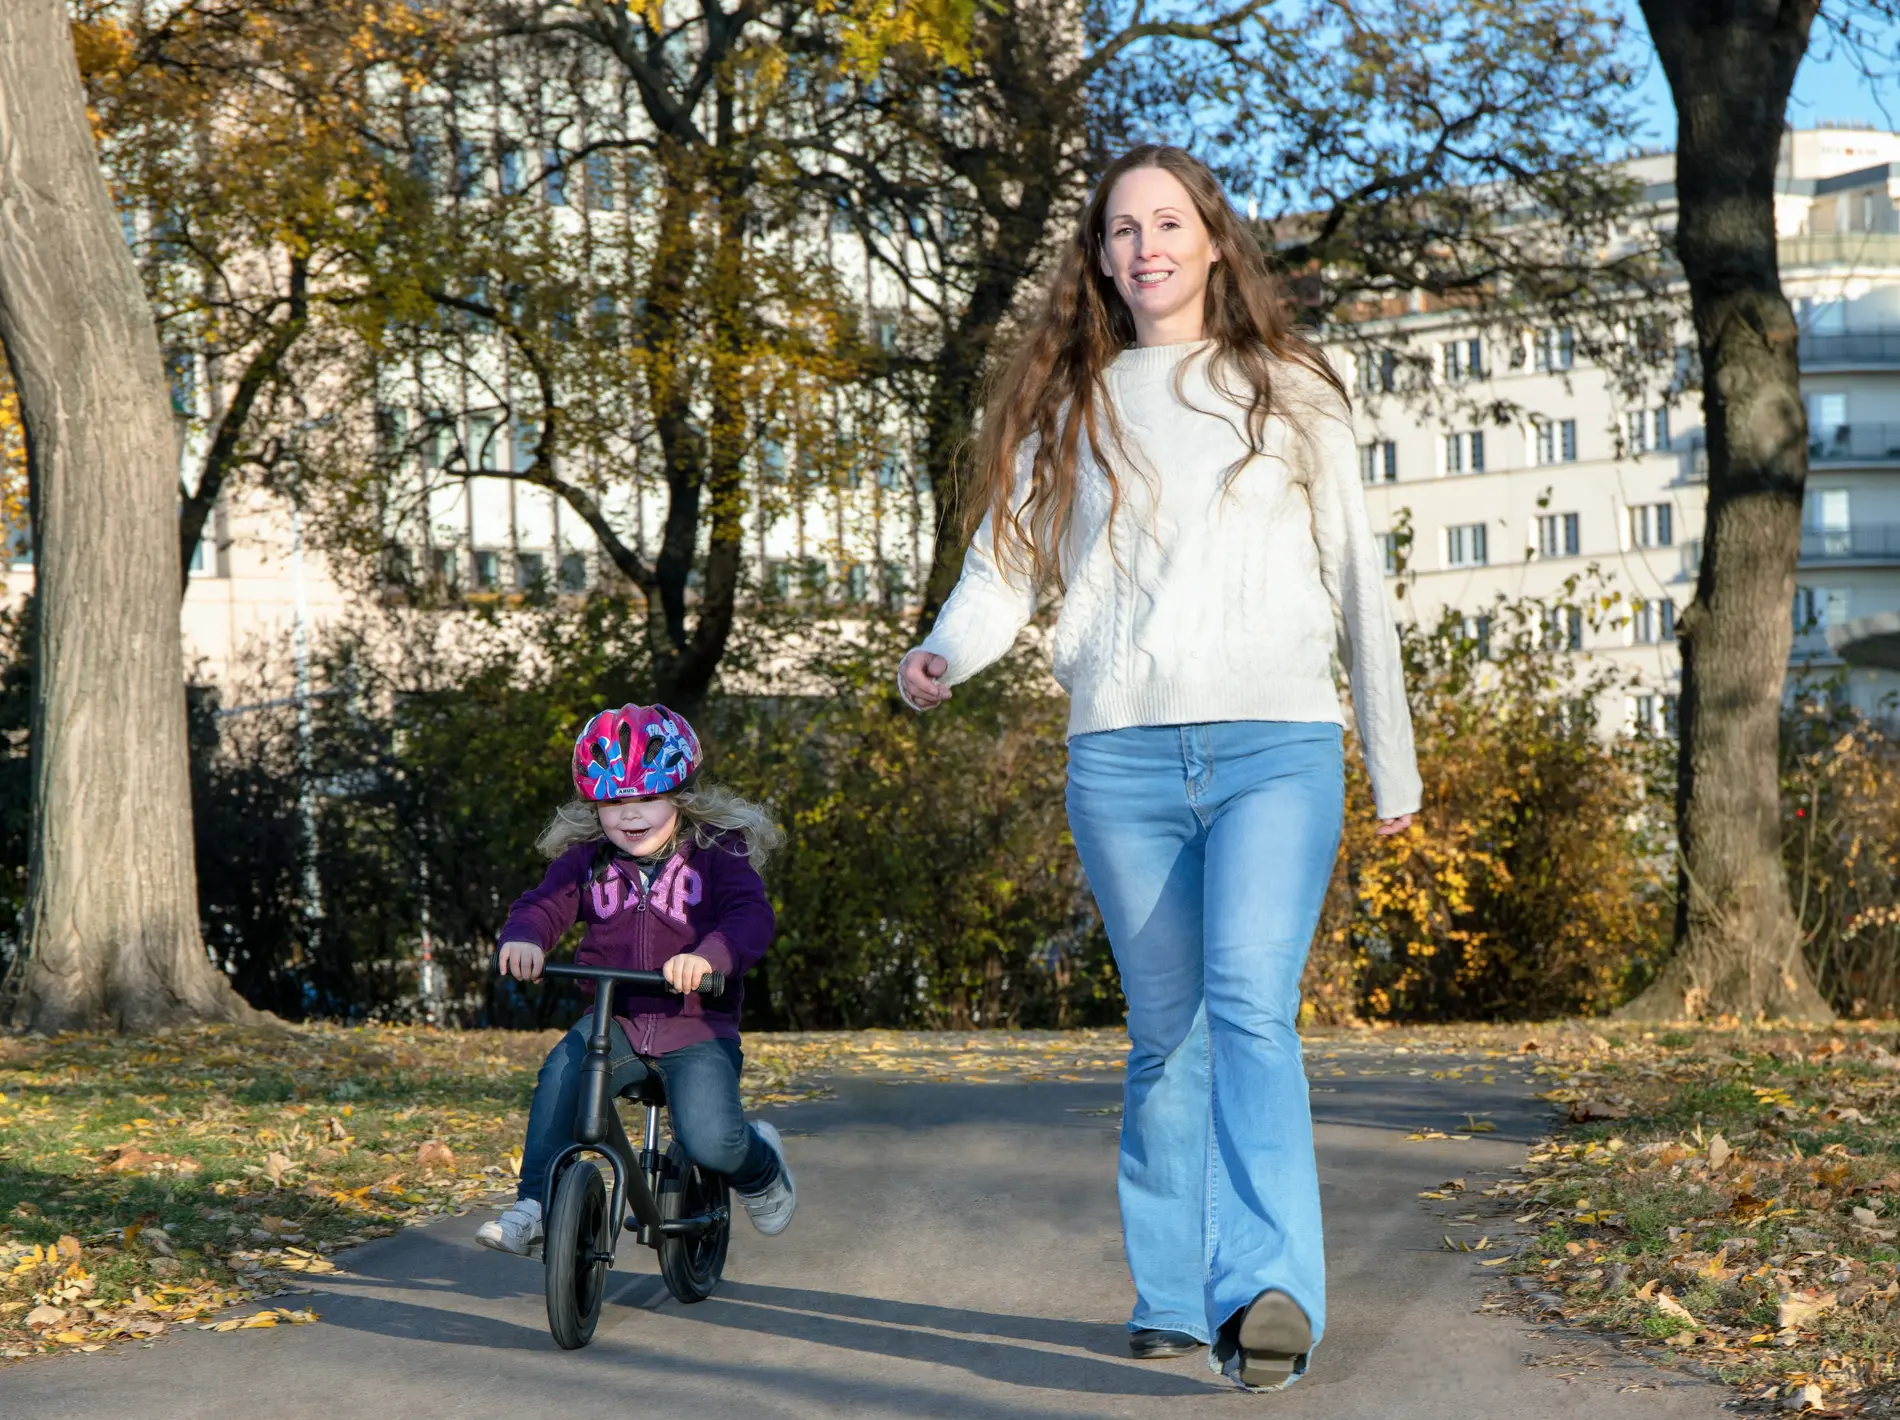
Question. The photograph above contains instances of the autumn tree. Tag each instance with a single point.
(1731, 65)
(111, 926)
(241, 143)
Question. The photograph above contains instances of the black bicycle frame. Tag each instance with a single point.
(597, 1126)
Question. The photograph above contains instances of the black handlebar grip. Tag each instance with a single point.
(713, 983)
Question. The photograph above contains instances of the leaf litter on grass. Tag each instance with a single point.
(1727, 1197)
(148, 1183)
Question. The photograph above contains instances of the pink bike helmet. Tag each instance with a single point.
(634, 752)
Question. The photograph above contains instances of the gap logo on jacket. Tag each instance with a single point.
(708, 901)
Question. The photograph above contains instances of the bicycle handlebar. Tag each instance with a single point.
(712, 984)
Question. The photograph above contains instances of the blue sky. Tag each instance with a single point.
(1827, 87)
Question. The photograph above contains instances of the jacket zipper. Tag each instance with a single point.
(644, 928)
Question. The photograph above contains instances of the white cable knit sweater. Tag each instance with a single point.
(1212, 598)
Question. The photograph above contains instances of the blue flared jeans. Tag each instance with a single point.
(1209, 848)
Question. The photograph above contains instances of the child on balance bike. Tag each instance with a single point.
(663, 869)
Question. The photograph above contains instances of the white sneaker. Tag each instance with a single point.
(771, 1209)
(516, 1230)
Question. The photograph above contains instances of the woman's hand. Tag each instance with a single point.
(920, 678)
(1390, 826)
(522, 960)
(684, 972)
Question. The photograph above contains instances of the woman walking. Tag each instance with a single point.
(1169, 453)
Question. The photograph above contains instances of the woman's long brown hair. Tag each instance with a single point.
(1051, 392)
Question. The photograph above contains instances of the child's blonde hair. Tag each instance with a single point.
(708, 809)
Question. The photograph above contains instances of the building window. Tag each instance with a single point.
(1816, 608)
(1659, 428)
(1557, 535)
(16, 544)
(1379, 462)
(1652, 525)
(1477, 630)
(890, 471)
(890, 584)
(573, 572)
(1563, 628)
(487, 570)
(181, 373)
(1636, 431)
(772, 460)
(531, 570)
(554, 178)
(856, 582)
(1465, 546)
(1555, 440)
(1653, 622)
(468, 167)
(510, 167)
(1378, 371)
(600, 182)
(1389, 553)
(1556, 349)
(1463, 359)
(1645, 712)
(1827, 424)
(1464, 452)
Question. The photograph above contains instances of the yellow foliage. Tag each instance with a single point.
(1533, 882)
(13, 484)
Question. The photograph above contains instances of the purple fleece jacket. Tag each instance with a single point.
(708, 901)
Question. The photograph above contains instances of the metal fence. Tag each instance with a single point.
(1865, 347)
(1868, 542)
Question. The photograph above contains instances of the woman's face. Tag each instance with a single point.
(639, 826)
(1156, 250)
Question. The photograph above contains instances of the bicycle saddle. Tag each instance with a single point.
(651, 1090)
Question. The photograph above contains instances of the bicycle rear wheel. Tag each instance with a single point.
(575, 1254)
(691, 1262)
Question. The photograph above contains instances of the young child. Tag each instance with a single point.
(664, 872)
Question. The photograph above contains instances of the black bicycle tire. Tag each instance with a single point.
(691, 1267)
(577, 1229)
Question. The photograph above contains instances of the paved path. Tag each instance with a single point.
(956, 1255)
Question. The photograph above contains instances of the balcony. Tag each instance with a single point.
(1857, 249)
(1844, 443)
(1876, 544)
(1854, 443)
(1866, 347)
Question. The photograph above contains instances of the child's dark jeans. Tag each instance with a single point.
(702, 1092)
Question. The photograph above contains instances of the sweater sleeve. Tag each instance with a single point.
(990, 604)
(541, 914)
(743, 920)
(1349, 566)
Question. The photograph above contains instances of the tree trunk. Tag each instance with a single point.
(112, 905)
(1731, 64)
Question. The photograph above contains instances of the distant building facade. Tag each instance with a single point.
(1592, 475)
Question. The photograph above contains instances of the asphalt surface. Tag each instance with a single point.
(956, 1253)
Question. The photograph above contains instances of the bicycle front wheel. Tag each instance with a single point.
(578, 1236)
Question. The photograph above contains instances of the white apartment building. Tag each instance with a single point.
(1582, 475)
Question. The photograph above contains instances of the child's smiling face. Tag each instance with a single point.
(639, 826)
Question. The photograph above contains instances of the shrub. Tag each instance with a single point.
(1536, 879)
